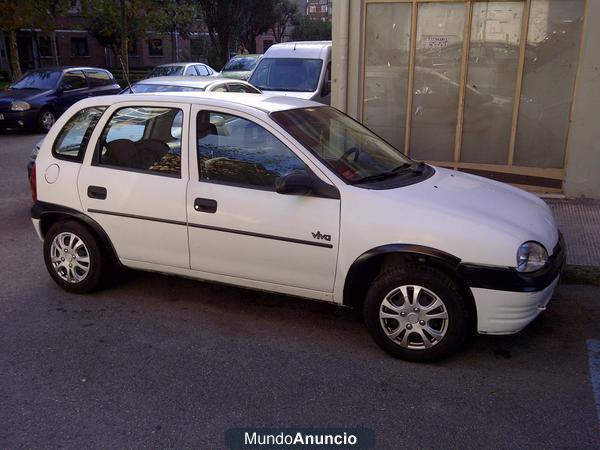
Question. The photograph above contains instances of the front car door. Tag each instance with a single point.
(134, 182)
(238, 225)
(73, 87)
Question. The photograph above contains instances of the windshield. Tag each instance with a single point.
(166, 71)
(141, 88)
(39, 79)
(244, 63)
(287, 74)
(344, 145)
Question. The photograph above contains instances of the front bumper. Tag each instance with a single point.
(508, 300)
(504, 312)
(19, 119)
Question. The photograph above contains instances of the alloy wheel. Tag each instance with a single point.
(413, 317)
(70, 257)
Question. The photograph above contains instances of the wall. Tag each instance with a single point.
(583, 151)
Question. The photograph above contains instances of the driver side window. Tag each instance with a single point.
(233, 150)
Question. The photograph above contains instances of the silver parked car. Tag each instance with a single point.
(183, 69)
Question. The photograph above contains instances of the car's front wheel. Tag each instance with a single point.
(74, 257)
(416, 313)
(46, 119)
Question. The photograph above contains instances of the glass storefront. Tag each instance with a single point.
(483, 86)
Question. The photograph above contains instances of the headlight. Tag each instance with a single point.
(531, 256)
(20, 106)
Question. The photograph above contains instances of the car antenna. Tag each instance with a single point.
(126, 76)
(295, 46)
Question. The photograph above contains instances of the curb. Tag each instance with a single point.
(573, 274)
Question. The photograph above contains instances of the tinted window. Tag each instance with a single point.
(99, 78)
(287, 74)
(73, 80)
(166, 71)
(242, 88)
(202, 70)
(233, 150)
(38, 79)
(142, 87)
(143, 139)
(73, 138)
(245, 63)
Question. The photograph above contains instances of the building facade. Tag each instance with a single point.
(503, 89)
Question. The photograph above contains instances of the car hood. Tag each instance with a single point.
(476, 219)
(237, 74)
(10, 95)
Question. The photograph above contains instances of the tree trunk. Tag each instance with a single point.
(124, 41)
(14, 55)
(173, 47)
(223, 48)
(55, 49)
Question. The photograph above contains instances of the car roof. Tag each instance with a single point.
(263, 102)
(180, 64)
(191, 81)
(302, 49)
(65, 68)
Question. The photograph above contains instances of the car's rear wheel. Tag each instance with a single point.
(416, 313)
(46, 119)
(73, 257)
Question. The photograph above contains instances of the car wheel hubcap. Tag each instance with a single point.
(70, 257)
(48, 120)
(413, 317)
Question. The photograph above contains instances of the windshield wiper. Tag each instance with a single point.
(414, 167)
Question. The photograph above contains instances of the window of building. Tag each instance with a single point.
(75, 135)
(144, 139)
(73, 80)
(45, 46)
(155, 47)
(79, 46)
(234, 150)
(132, 47)
(501, 110)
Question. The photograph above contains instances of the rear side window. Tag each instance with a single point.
(99, 78)
(238, 87)
(143, 139)
(73, 80)
(75, 135)
(202, 70)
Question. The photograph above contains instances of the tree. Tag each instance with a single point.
(222, 18)
(173, 17)
(113, 24)
(259, 16)
(49, 11)
(308, 29)
(286, 12)
(16, 14)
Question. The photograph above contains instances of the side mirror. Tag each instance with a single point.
(295, 183)
(326, 88)
(305, 183)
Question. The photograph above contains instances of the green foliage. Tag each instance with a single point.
(103, 21)
(222, 19)
(285, 13)
(307, 29)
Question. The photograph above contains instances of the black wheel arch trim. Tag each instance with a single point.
(472, 275)
(39, 209)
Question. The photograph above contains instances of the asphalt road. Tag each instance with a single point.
(159, 361)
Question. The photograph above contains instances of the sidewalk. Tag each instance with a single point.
(579, 221)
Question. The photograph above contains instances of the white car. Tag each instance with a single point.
(291, 196)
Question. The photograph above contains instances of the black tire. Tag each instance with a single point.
(96, 275)
(456, 328)
(43, 124)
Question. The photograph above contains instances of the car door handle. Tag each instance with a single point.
(205, 205)
(97, 192)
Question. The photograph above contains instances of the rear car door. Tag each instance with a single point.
(134, 182)
(73, 87)
(238, 225)
(101, 82)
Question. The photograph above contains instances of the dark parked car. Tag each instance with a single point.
(41, 95)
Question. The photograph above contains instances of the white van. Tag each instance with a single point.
(296, 69)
